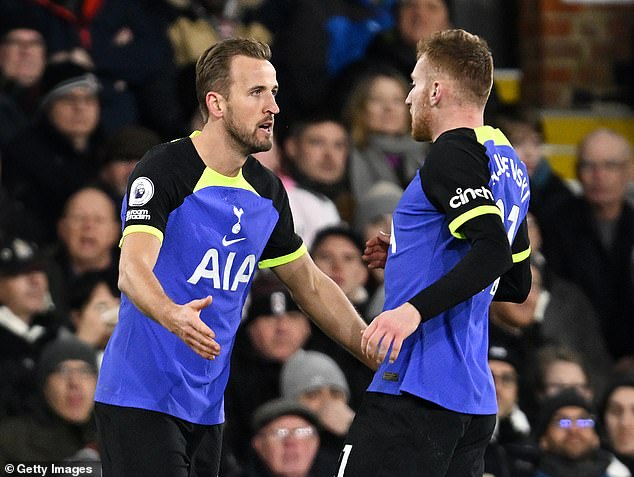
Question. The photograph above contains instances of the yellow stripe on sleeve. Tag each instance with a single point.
(148, 229)
(475, 212)
(274, 262)
(520, 256)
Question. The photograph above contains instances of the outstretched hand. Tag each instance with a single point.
(391, 327)
(375, 253)
(185, 323)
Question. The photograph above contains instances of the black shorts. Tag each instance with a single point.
(137, 442)
(407, 436)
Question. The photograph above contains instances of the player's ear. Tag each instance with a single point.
(215, 104)
(435, 93)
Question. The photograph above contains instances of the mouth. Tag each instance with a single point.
(266, 126)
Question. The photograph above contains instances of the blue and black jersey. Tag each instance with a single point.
(214, 231)
(472, 184)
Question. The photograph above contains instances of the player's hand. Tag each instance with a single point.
(185, 323)
(389, 328)
(375, 253)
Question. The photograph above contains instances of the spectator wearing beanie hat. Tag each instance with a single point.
(61, 424)
(316, 381)
(568, 440)
(55, 156)
(285, 441)
(272, 330)
(616, 416)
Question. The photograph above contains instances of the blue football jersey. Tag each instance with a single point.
(466, 174)
(214, 231)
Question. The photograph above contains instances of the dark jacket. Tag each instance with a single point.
(43, 437)
(41, 169)
(573, 250)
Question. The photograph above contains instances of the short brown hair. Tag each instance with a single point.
(214, 66)
(463, 56)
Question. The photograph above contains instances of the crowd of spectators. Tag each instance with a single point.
(86, 87)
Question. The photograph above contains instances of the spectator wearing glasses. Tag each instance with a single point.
(591, 240)
(285, 440)
(568, 441)
(556, 369)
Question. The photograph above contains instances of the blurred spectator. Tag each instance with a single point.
(509, 452)
(379, 122)
(195, 25)
(616, 415)
(22, 62)
(121, 152)
(568, 440)
(94, 309)
(311, 210)
(555, 312)
(313, 42)
(88, 234)
(337, 252)
(50, 160)
(415, 20)
(548, 191)
(315, 380)
(555, 369)
(373, 216)
(285, 441)
(132, 56)
(26, 323)
(61, 425)
(316, 157)
(273, 329)
(592, 239)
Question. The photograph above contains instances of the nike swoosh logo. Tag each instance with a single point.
(226, 242)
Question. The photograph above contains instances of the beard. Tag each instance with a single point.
(421, 125)
(246, 141)
(421, 119)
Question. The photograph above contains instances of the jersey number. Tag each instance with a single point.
(345, 454)
(512, 218)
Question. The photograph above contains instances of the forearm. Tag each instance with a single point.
(141, 286)
(488, 258)
(137, 280)
(329, 308)
(324, 302)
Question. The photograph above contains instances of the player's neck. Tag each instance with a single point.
(217, 151)
(455, 117)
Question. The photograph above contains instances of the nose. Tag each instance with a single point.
(271, 106)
